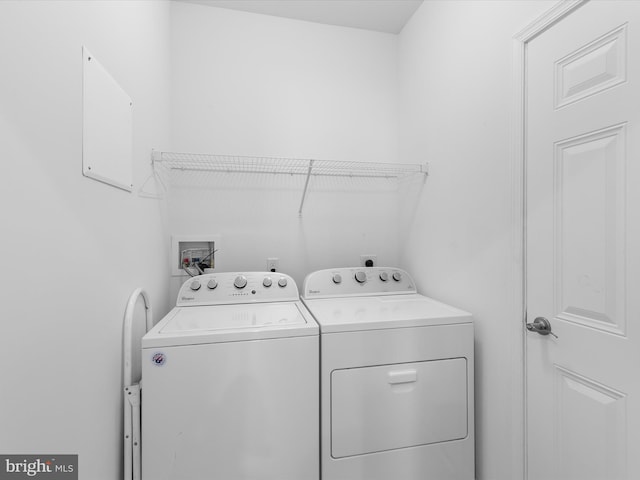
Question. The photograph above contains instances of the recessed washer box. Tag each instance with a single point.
(207, 244)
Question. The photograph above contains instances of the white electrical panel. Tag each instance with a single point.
(107, 126)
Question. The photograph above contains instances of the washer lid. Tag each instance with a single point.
(373, 313)
(229, 323)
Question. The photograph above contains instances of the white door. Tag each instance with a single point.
(583, 245)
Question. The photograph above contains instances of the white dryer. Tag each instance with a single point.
(396, 373)
(230, 383)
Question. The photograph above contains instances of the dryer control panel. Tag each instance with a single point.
(240, 287)
(359, 281)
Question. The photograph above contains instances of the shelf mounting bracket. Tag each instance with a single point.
(306, 186)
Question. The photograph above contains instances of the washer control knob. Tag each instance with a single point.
(195, 285)
(240, 282)
(212, 284)
(337, 278)
(361, 277)
(397, 276)
(282, 282)
(384, 276)
(267, 282)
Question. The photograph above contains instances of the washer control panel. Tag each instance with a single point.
(345, 282)
(241, 287)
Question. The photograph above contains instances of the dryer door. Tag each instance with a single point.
(374, 409)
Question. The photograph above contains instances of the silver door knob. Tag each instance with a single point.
(542, 326)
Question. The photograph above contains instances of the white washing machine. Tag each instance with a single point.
(396, 378)
(230, 383)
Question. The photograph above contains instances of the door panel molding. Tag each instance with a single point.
(589, 191)
(584, 405)
(592, 69)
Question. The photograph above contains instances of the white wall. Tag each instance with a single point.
(256, 85)
(456, 74)
(248, 84)
(74, 248)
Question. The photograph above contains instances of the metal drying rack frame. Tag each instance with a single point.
(132, 391)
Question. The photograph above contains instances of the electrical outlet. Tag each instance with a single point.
(272, 264)
(368, 258)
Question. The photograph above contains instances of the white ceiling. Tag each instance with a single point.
(378, 15)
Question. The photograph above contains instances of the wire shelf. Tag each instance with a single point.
(286, 166)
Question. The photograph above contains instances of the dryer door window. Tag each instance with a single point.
(374, 409)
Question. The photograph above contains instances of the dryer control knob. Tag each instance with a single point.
(240, 282)
(337, 278)
(195, 285)
(384, 276)
(267, 282)
(397, 276)
(282, 282)
(361, 277)
(212, 284)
